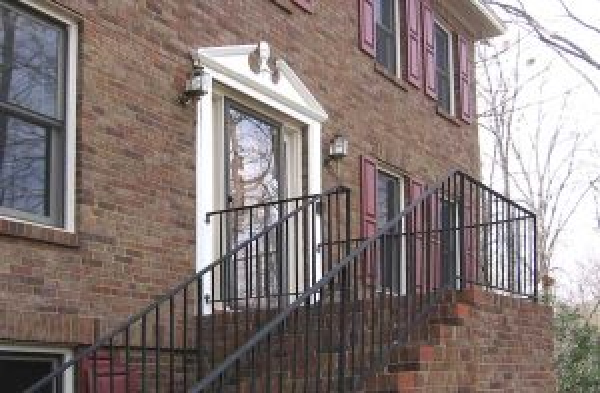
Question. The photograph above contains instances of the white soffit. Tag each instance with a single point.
(252, 66)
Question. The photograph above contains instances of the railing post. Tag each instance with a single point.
(535, 261)
(461, 231)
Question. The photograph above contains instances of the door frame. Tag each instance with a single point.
(251, 71)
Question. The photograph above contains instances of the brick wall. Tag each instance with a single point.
(479, 342)
(135, 158)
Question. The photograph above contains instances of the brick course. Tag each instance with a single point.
(135, 158)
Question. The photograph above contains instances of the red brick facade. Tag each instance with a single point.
(135, 178)
(478, 342)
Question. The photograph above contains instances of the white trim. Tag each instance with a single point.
(69, 378)
(229, 65)
(278, 88)
(490, 15)
(449, 37)
(70, 139)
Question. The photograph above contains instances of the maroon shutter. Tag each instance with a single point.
(367, 26)
(429, 49)
(415, 236)
(368, 172)
(413, 25)
(307, 5)
(466, 106)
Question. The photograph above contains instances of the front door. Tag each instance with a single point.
(254, 167)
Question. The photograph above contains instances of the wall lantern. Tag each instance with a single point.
(196, 86)
(338, 148)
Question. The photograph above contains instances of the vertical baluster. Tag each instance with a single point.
(127, 358)
(172, 343)
(199, 325)
(185, 335)
(157, 344)
(143, 345)
(111, 372)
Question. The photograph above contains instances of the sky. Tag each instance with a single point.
(581, 240)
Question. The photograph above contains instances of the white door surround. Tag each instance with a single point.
(248, 70)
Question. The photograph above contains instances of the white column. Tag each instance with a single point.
(314, 185)
(204, 188)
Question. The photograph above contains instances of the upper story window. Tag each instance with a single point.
(444, 69)
(386, 51)
(34, 84)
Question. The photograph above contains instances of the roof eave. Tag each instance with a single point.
(492, 25)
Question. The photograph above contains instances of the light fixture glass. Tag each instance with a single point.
(338, 147)
(197, 85)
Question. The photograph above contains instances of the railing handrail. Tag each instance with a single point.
(494, 192)
(325, 280)
(271, 203)
(105, 339)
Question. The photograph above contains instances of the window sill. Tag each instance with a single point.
(37, 232)
(381, 70)
(451, 118)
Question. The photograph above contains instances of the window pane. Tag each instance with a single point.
(444, 93)
(23, 166)
(384, 13)
(442, 49)
(30, 62)
(386, 49)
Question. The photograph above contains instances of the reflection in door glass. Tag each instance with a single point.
(253, 170)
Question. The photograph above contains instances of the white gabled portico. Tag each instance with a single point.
(247, 71)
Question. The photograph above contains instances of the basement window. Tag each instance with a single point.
(20, 370)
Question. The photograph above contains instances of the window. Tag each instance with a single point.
(389, 197)
(386, 41)
(444, 69)
(34, 114)
(20, 370)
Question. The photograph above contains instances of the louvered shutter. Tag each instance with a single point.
(367, 26)
(307, 5)
(368, 171)
(466, 103)
(414, 58)
(429, 49)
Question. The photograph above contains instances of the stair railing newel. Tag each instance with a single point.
(457, 235)
(269, 254)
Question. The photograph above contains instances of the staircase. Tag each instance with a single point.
(364, 315)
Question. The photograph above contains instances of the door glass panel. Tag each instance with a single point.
(253, 165)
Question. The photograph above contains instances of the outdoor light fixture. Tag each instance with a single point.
(196, 86)
(338, 148)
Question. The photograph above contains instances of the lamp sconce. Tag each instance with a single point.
(338, 149)
(196, 86)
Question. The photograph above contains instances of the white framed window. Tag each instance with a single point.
(22, 366)
(387, 49)
(38, 49)
(444, 68)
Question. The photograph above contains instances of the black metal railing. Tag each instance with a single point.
(455, 236)
(268, 255)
